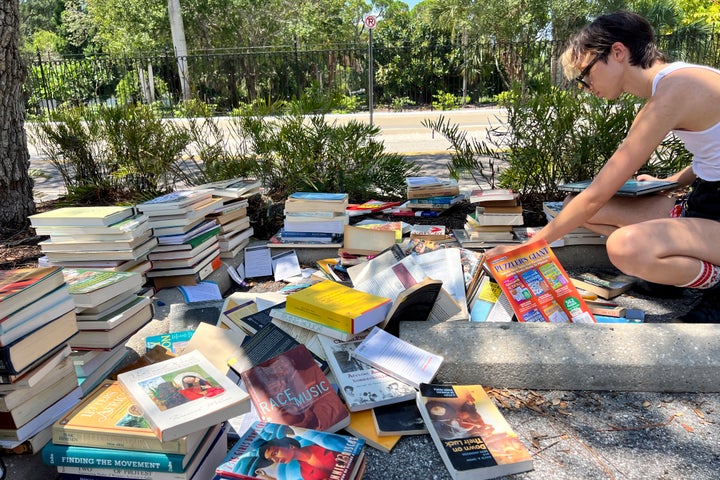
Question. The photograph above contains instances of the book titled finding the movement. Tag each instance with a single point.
(471, 435)
(631, 188)
(258, 454)
(537, 285)
(291, 388)
(184, 394)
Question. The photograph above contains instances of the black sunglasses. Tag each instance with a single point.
(585, 71)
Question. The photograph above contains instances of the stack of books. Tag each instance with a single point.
(188, 252)
(578, 236)
(162, 420)
(232, 215)
(429, 194)
(314, 219)
(110, 238)
(37, 378)
(497, 211)
(110, 307)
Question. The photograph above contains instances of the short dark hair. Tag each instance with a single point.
(630, 29)
(285, 442)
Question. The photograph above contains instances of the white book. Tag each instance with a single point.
(398, 358)
(282, 315)
(184, 394)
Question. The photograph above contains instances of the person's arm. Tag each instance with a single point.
(684, 177)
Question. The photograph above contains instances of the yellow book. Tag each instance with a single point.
(362, 426)
(338, 306)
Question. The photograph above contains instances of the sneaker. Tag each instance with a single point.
(706, 310)
(657, 290)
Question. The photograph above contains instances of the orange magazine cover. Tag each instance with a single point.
(537, 285)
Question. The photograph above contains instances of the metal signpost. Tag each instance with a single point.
(370, 22)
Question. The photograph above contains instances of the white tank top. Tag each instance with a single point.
(704, 145)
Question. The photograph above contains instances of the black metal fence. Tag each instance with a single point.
(402, 74)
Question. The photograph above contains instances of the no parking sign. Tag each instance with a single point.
(370, 21)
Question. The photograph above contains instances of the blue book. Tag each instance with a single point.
(322, 196)
(448, 199)
(74, 456)
(631, 188)
(173, 341)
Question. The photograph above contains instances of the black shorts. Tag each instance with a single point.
(703, 201)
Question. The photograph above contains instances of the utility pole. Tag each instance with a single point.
(177, 29)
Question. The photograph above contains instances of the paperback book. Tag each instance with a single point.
(399, 419)
(184, 394)
(257, 454)
(471, 435)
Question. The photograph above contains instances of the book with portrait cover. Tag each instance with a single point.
(109, 418)
(471, 434)
(537, 286)
(184, 394)
(362, 386)
(291, 388)
(271, 450)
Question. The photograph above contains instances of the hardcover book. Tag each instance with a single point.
(537, 285)
(398, 358)
(339, 306)
(177, 201)
(21, 287)
(184, 394)
(362, 386)
(109, 418)
(271, 450)
(91, 287)
(291, 388)
(471, 435)
(81, 216)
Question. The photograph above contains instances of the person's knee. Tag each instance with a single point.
(625, 248)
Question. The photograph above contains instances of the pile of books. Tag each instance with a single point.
(429, 196)
(110, 238)
(313, 219)
(110, 307)
(161, 420)
(578, 236)
(497, 211)
(188, 249)
(232, 214)
(37, 379)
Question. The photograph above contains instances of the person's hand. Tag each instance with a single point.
(644, 177)
(499, 250)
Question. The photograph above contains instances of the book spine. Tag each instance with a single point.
(92, 473)
(71, 456)
(7, 370)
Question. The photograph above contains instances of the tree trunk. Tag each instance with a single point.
(16, 185)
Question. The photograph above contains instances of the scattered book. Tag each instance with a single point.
(399, 419)
(184, 394)
(281, 314)
(362, 386)
(398, 358)
(187, 316)
(471, 435)
(291, 388)
(537, 285)
(366, 241)
(362, 426)
(174, 342)
(257, 454)
(603, 284)
(339, 306)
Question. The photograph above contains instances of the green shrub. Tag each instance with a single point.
(398, 104)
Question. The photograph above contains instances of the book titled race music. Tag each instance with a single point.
(471, 435)
(184, 394)
(339, 306)
(253, 456)
(398, 358)
(291, 388)
(537, 286)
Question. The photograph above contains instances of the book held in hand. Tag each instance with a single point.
(631, 188)
(271, 450)
(471, 435)
(291, 388)
(537, 285)
(184, 394)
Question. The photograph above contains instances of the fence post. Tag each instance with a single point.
(44, 82)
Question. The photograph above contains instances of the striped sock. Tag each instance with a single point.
(709, 276)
